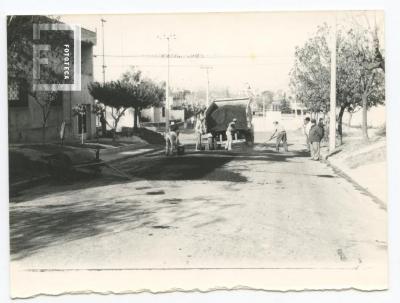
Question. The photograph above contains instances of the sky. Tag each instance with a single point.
(242, 49)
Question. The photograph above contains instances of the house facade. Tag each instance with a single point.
(25, 114)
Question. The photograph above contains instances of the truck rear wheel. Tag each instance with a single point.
(249, 139)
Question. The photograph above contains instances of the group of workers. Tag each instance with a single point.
(199, 130)
(313, 131)
(314, 134)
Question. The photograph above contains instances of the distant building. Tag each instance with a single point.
(298, 108)
(157, 114)
(25, 117)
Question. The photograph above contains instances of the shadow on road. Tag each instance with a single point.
(205, 165)
(36, 227)
(41, 227)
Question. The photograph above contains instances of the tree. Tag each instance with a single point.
(357, 85)
(45, 100)
(285, 105)
(100, 111)
(132, 91)
(20, 60)
(370, 71)
(310, 76)
(144, 92)
(115, 94)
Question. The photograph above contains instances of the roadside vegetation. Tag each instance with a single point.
(360, 71)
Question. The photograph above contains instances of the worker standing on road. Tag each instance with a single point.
(229, 134)
(172, 138)
(280, 134)
(199, 130)
(316, 134)
(322, 126)
(306, 130)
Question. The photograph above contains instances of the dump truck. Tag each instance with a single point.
(220, 113)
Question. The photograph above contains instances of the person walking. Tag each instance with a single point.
(306, 131)
(280, 134)
(229, 134)
(315, 136)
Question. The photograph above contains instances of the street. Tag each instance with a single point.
(249, 208)
(118, 176)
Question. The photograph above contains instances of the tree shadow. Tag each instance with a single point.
(39, 227)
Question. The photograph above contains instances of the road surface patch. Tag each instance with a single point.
(159, 192)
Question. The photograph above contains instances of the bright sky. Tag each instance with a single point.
(254, 48)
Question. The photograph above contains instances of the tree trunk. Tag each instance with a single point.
(43, 133)
(350, 117)
(103, 125)
(114, 130)
(365, 116)
(340, 129)
(135, 119)
(139, 118)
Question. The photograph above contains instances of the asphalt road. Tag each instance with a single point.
(249, 208)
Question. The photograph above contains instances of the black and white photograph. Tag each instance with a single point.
(197, 151)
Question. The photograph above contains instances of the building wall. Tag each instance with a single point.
(155, 114)
(25, 122)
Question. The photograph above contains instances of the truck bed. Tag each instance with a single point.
(221, 112)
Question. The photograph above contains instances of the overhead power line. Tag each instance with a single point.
(193, 56)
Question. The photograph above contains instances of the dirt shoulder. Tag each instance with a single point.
(364, 162)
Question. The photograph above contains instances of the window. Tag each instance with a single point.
(17, 93)
(163, 112)
(13, 91)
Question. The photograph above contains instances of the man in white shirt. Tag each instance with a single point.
(229, 134)
(199, 131)
(280, 134)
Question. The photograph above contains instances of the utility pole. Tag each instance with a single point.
(332, 114)
(207, 68)
(103, 66)
(167, 105)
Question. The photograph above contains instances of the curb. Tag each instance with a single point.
(21, 185)
(114, 150)
(125, 157)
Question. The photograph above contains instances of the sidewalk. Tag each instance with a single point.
(130, 152)
(29, 167)
(365, 164)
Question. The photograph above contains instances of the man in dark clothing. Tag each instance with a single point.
(322, 126)
(316, 134)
